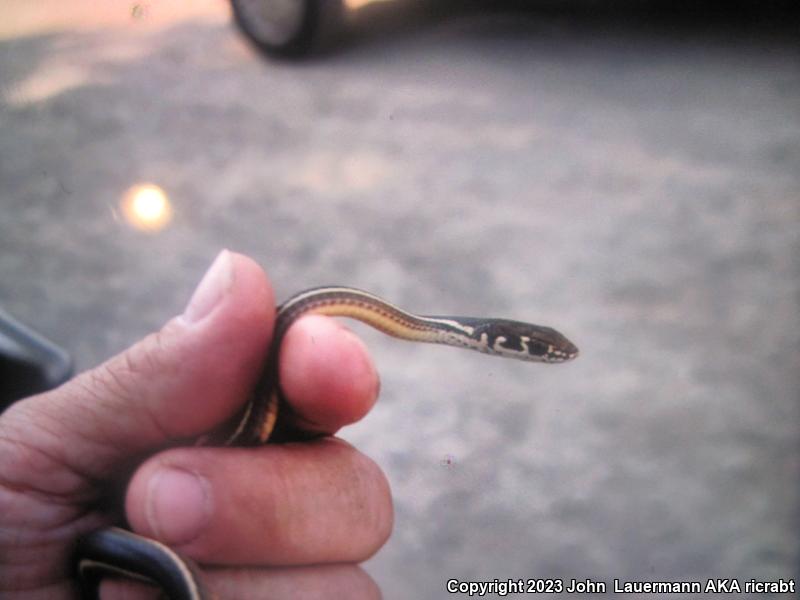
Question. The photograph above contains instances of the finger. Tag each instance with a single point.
(299, 583)
(292, 504)
(174, 384)
(326, 375)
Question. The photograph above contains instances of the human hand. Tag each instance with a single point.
(269, 522)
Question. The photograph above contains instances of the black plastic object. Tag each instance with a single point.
(29, 363)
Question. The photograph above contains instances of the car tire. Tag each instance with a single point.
(289, 28)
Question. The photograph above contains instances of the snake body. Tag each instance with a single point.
(263, 419)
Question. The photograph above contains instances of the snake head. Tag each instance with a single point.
(523, 341)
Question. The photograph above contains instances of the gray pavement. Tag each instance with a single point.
(636, 185)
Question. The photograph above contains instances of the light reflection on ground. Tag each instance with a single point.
(146, 207)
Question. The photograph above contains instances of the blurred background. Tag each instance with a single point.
(626, 172)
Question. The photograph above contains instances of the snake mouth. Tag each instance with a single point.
(567, 351)
(572, 351)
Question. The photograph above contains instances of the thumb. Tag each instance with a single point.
(176, 383)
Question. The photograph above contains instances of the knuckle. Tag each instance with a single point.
(374, 506)
(125, 381)
(366, 501)
(122, 376)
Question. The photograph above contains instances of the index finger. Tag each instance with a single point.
(326, 375)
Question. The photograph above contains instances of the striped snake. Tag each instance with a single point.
(116, 551)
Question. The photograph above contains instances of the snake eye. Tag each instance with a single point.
(538, 350)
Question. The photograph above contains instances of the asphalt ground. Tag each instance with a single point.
(631, 177)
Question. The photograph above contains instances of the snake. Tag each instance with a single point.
(267, 417)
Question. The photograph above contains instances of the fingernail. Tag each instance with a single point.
(211, 289)
(178, 505)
